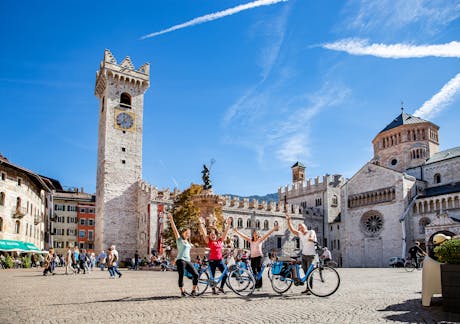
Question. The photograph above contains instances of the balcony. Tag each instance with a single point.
(19, 212)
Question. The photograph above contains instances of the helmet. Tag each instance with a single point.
(440, 238)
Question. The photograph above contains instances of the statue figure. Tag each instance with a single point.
(207, 182)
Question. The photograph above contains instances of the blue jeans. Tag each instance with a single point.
(213, 264)
(111, 272)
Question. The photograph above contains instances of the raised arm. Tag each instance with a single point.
(203, 232)
(226, 229)
(173, 226)
(244, 237)
(291, 228)
(275, 228)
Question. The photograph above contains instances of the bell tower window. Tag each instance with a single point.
(437, 178)
(125, 100)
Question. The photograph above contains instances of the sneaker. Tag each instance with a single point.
(183, 294)
(119, 276)
(298, 282)
(214, 292)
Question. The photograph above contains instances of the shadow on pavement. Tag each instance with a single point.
(412, 311)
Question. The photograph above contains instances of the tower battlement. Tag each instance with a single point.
(123, 72)
(309, 186)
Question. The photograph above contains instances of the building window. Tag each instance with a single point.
(19, 181)
(82, 221)
(82, 233)
(123, 162)
(278, 242)
(1, 224)
(265, 224)
(90, 222)
(394, 162)
(2, 199)
(17, 227)
(240, 223)
(422, 224)
(81, 245)
(335, 201)
(257, 224)
(248, 223)
(123, 149)
(3, 176)
(236, 241)
(437, 178)
(372, 222)
(297, 243)
(90, 235)
(318, 202)
(125, 100)
(231, 222)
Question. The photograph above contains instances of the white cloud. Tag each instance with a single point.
(440, 100)
(216, 15)
(356, 46)
(294, 148)
(385, 15)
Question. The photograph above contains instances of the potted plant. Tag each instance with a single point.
(449, 253)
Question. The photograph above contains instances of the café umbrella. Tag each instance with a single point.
(19, 246)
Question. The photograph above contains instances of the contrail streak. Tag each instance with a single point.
(214, 16)
(440, 100)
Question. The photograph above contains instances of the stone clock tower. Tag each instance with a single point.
(120, 89)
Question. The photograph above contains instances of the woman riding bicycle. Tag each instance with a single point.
(215, 251)
(256, 242)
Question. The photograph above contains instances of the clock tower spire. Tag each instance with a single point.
(120, 89)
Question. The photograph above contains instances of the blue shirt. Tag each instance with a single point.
(183, 249)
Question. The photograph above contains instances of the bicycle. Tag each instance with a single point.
(321, 280)
(239, 280)
(410, 265)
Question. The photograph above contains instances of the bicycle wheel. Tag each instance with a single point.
(269, 273)
(332, 264)
(409, 266)
(323, 281)
(203, 283)
(241, 282)
(281, 284)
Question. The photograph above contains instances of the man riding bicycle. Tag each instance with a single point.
(415, 252)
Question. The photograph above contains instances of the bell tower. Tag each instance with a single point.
(120, 89)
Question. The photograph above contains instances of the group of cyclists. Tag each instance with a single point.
(215, 241)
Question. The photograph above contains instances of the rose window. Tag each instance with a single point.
(372, 223)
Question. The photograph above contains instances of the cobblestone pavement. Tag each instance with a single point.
(365, 296)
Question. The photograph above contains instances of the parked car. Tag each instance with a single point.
(396, 262)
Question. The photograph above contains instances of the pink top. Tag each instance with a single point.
(256, 248)
(215, 248)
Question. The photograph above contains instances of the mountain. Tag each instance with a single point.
(267, 197)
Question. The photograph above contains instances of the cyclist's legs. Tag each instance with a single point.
(213, 264)
(191, 269)
(306, 262)
(221, 267)
(256, 265)
(180, 271)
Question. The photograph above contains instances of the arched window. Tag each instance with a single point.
(258, 224)
(422, 224)
(265, 224)
(125, 100)
(231, 221)
(247, 245)
(18, 202)
(1, 224)
(335, 201)
(2, 199)
(275, 223)
(240, 223)
(17, 227)
(236, 241)
(437, 178)
(248, 223)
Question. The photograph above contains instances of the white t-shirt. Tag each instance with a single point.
(307, 246)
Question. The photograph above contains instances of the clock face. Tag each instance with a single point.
(125, 120)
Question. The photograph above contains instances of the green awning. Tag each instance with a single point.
(19, 246)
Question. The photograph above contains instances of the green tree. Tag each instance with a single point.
(186, 215)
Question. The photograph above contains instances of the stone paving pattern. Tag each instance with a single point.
(365, 296)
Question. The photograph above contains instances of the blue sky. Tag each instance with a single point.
(255, 85)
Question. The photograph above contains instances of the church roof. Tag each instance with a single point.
(298, 164)
(441, 190)
(444, 155)
(403, 119)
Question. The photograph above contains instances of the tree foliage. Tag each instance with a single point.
(186, 215)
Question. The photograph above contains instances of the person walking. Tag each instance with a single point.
(68, 260)
(48, 264)
(255, 244)
(307, 240)
(111, 260)
(215, 251)
(102, 259)
(136, 261)
(183, 257)
(115, 263)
